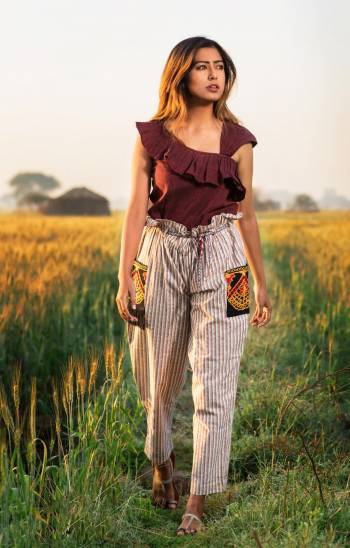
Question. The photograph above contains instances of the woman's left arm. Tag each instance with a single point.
(249, 230)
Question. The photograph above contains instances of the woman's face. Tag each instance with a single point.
(208, 70)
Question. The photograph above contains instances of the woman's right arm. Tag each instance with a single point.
(133, 224)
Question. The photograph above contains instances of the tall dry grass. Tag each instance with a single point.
(58, 283)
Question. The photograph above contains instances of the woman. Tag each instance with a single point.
(183, 272)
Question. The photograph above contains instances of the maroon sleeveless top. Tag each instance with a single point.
(190, 186)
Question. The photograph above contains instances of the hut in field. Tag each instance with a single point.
(77, 201)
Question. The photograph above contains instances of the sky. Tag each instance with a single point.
(76, 75)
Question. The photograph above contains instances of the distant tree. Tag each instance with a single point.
(304, 202)
(26, 183)
(32, 200)
(263, 205)
(268, 205)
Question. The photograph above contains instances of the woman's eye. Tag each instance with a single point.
(218, 66)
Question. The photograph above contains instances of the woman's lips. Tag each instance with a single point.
(213, 88)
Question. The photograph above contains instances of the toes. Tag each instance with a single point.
(187, 529)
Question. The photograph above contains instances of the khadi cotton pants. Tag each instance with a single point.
(192, 296)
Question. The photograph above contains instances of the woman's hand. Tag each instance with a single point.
(125, 293)
(262, 314)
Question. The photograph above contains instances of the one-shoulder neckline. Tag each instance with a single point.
(175, 139)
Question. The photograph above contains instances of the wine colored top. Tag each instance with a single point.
(190, 186)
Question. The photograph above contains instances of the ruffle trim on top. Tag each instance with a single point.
(153, 138)
(202, 167)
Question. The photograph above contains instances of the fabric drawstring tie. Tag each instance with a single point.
(201, 245)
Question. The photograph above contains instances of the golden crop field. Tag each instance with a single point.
(289, 465)
(58, 283)
(324, 240)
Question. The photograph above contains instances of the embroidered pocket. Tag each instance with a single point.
(237, 290)
(139, 276)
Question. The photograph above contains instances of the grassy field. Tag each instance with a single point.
(72, 467)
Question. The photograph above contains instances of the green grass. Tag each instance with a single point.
(289, 479)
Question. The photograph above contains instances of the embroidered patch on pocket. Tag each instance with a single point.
(237, 290)
(139, 276)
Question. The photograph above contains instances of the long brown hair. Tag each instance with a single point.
(172, 106)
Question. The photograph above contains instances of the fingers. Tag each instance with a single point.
(124, 309)
(261, 316)
(265, 317)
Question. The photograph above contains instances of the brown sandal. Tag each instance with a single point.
(188, 527)
(158, 494)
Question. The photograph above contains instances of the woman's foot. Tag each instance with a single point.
(164, 492)
(191, 519)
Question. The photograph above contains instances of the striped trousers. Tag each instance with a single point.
(192, 296)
